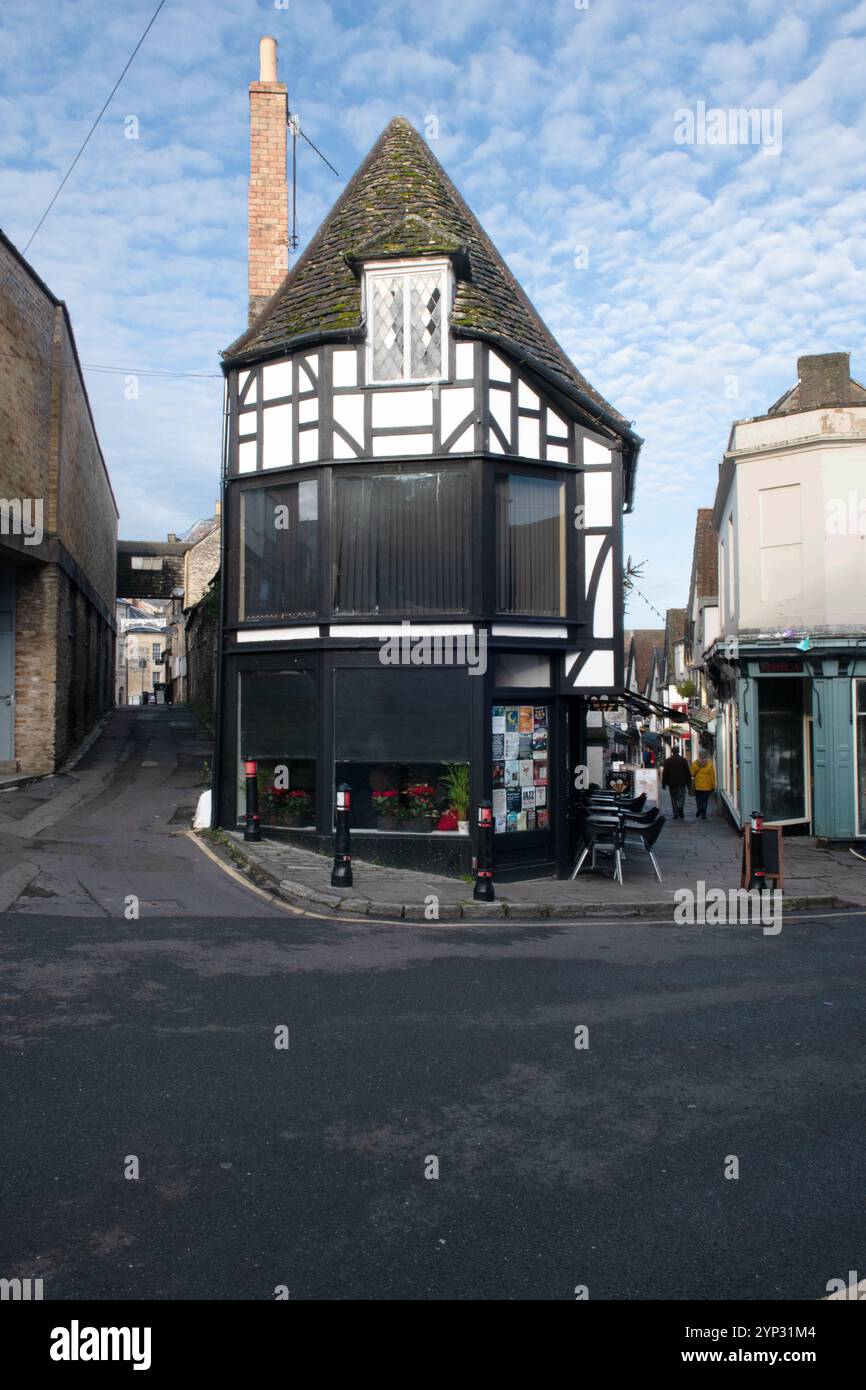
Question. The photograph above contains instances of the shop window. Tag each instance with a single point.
(530, 546)
(279, 552)
(521, 768)
(278, 727)
(401, 742)
(860, 687)
(526, 669)
(781, 745)
(401, 542)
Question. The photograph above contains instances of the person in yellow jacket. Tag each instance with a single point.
(704, 775)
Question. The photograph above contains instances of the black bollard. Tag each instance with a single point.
(483, 890)
(252, 828)
(341, 874)
(756, 854)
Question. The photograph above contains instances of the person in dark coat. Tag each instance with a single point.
(676, 775)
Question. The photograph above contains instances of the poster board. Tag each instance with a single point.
(772, 844)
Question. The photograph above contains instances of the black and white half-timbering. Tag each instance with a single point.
(423, 500)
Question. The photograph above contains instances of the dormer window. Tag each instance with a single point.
(407, 303)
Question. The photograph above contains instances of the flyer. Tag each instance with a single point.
(512, 745)
(527, 798)
(499, 745)
(524, 773)
(499, 774)
(512, 773)
(511, 719)
(500, 804)
(525, 719)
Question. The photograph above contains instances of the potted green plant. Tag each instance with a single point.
(282, 806)
(456, 784)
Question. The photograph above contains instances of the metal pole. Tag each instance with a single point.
(757, 878)
(483, 890)
(252, 829)
(341, 874)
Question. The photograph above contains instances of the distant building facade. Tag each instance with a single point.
(789, 663)
(58, 534)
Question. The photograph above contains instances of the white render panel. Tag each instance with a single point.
(465, 442)
(251, 394)
(404, 629)
(527, 438)
(308, 410)
(277, 380)
(500, 409)
(387, 445)
(342, 450)
(593, 546)
(499, 370)
(556, 425)
(597, 671)
(527, 397)
(557, 453)
(598, 497)
(457, 403)
(277, 436)
(277, 634)
(527, 630)
(602, 618)
(308, 446)
(345, 369)
(248, 456)
(397, 409)
(494, 447)
(595, 454)
(464, 361)
(349, 412)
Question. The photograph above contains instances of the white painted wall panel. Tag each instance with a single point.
(528, 438)
(248, 456)
(500, 409)
(464, 361)
(593, 546)
(595, 454)
(597, 673)
(308, 446)
(396, 409)
(251, 394)
(277, 379)
(498, 370)
(349, 412)
(602, 618)
(345, 369)
(598, 498)
(457, 403)
(308, 410)
(465, 442)
(388, 445)
(527, 397)
(277, 436)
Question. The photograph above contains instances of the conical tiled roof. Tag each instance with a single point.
(401, 202)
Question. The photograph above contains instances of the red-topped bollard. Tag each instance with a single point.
(341, 874)
(483, 890)
(252, 828)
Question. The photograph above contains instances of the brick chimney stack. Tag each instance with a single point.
(825, 379)
(268, 189)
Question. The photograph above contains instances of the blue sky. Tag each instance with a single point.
(707, 269)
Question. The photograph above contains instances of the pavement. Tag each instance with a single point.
(687, 852)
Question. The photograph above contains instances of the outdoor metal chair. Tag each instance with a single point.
(599, 832)
(645, 833)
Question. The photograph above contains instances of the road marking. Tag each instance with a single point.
(239, 878)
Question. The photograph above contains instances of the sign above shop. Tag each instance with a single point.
(780, 668)
(603, 703)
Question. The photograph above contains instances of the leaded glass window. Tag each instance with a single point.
(406, 308)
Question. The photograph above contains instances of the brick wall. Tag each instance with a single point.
(49, 451)
(268, 193)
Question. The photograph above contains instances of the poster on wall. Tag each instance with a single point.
(520, 751)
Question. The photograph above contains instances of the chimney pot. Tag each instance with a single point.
(268, 60)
